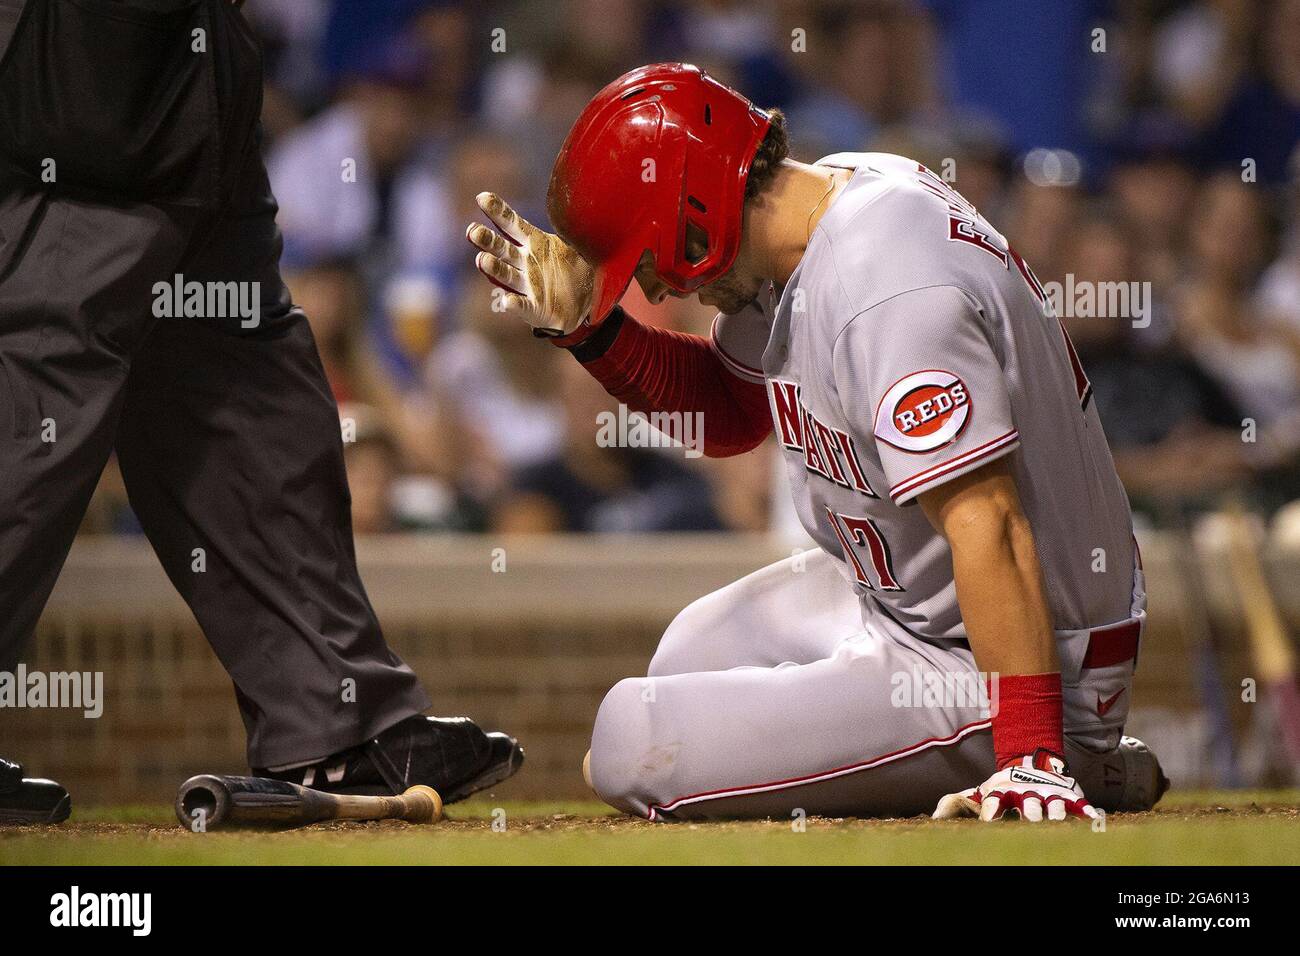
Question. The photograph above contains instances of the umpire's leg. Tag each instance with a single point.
(230, 447)
(75, 280)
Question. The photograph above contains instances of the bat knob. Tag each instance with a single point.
(423, 805)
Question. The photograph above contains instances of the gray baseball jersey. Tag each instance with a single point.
(910, 346)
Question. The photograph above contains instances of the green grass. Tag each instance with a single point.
(1193, 828)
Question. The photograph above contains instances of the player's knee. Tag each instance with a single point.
(623, 765)
(679, 649)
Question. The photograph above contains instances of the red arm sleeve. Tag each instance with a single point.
(656, 370)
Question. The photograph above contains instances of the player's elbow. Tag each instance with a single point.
(738, 441)
(979, 512)
(740, 422)
(998, 543)
(988, 528)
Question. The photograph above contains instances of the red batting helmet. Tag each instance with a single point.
(659, 149)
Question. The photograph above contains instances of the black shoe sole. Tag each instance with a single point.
(507, 758)
(56, 814)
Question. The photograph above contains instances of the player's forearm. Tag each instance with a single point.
(657, 370)
(1000, 591)
(1003, 606)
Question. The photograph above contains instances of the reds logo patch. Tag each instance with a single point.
(923, 411)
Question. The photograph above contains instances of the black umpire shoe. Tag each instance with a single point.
(449, 754)
(30, 800)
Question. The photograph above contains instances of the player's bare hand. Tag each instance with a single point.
(544, 280)
(1037, 788)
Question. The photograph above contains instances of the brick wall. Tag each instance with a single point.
(531, 650)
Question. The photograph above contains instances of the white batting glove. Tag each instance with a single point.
(546, 282)
(1039, 785)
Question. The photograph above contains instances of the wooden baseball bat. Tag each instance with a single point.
(1194, 617)
(215, 801)
(1266, 629)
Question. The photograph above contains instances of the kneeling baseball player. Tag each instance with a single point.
(941, 448)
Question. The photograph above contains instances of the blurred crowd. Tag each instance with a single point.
(1146, 142)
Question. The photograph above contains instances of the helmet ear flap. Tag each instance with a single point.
(611, 279)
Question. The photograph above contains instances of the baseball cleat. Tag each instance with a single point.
(30, 799)
(506, 759)
(450, 754)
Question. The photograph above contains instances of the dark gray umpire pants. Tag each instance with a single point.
(228, 437)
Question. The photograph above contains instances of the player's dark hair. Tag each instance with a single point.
(774, 148)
